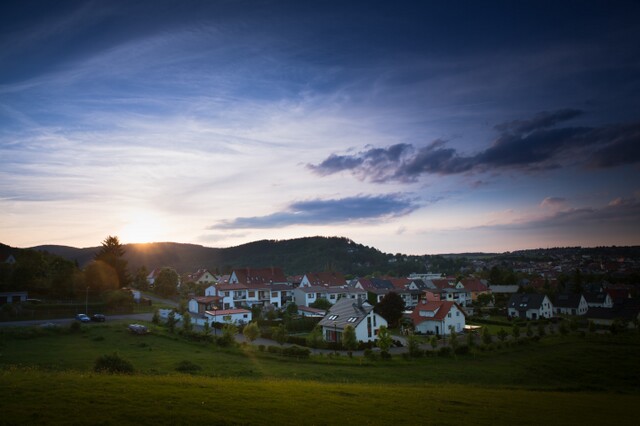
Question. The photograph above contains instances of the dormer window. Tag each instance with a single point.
(333, 317)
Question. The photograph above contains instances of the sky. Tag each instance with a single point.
(418, 127)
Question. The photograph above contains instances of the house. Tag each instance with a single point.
(254, 276)
(13, 297)
(627, 311)
(570, 304)
(356, 313)
(237, 295)
(306, 311)
(212, 290)
(529, 305)
(504, 289)
(199, 305)
(151, 278)
(475, 287)
(202, 276)
(323, 279)
(599, 300)
(306, 296)
(280, 295)
(233, 316)
(438, 317)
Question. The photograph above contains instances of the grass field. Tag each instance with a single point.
(595, 378)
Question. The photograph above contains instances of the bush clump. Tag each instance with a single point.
(296, 351)
(113, 364)
(187, 366)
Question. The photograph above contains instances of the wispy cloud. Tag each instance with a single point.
(321, 212)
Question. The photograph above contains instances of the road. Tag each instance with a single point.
(65, 321)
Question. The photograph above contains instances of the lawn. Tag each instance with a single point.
(558, 377)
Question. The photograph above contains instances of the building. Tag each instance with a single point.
(570, 304)
(358, 314)
(438, 317)
(530, 306)
(233, 316)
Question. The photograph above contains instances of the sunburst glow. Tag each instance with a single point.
(142, 227)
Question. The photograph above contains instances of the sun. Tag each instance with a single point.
(142, 227)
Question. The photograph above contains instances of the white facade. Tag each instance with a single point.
(234, 316)
(581, 309)
(211, 291)
(432, 323)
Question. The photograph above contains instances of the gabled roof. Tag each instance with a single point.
(432, 311)
(596, 298)
(474, 285)
(327, 279)
(399, 283)
(221, 312)
(526, 301)
(442, 283)
(378, 283)
(565, 300)
(346, 312)
(260, 275)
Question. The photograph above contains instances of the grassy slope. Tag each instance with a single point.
(116, 400)
(516, 385)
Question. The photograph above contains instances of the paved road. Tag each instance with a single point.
(64, 321)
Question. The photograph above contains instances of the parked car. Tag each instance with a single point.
(83, 318)
(98, 318)
(138, 329)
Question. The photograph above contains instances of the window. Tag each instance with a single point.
(252, 294)
(374, 321)
(312, 295)
(245, 316)
(352, 319)
(332, 317)
(457, 313)
(449, 315)
(369, 327)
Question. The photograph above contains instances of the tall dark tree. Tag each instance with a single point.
(140, 280)
(112, 253)
(390, 308)
(166, 283)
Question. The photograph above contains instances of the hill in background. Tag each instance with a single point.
(295, 256)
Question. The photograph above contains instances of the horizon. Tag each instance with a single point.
(427, 128)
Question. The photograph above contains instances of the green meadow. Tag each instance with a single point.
(46, 377)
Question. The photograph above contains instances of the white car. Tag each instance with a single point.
(83, 318)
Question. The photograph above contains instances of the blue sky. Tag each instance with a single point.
(414, 127)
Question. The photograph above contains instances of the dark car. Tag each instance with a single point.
(98, 318)
(82, 318)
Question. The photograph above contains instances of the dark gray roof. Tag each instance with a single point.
(526, 301)
(595, 297)
(346, 312)
(570, 300)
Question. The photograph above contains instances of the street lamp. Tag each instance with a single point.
(86, 302)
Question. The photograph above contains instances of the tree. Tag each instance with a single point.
(314, 339)
(206, 328)
(349, 341)
(140, 279)
(453, 338)
(434, 342)
(413, 344)
(156, 317)
(391, 308)
(516, 331)
(279, 334)
(99, 276)
(251, 331)
(112, 253)
(502, 334)
(186, 322)
(321, 303)
(229, 331)
(171, 321)
(384, 339)
(486, 336)
(166, 283)
(484, 299)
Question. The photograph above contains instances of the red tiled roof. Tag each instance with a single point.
(441, 307)
(474, 284)
(441, 283)
(260, 275)
(400, 283)
(220, 312)
(328, 279)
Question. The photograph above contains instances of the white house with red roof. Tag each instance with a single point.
(233, 316)
(323, 279)
(202, 276)
(438, 317)
(254, 276)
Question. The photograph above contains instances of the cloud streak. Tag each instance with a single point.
(322, 212)
(524, 145)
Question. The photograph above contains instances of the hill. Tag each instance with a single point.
(295, 256)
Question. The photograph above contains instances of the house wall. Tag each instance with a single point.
(193, 306)
(457, 320)
(239, 318)
(210, 291)
(582, 309)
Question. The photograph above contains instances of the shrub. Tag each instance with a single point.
(187, 366)
(297, 340)
(75, 327)
(462, 350)
(444, 351)
(274, 349)
(385, 355)
(369, 354)
(156, 317)
(296, 351)
(113, 364)
(261, 348)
